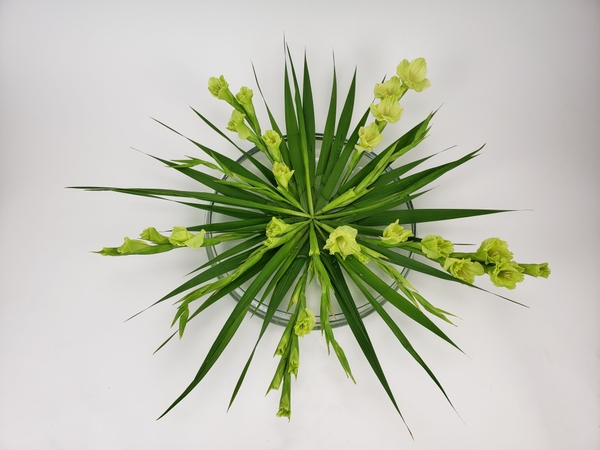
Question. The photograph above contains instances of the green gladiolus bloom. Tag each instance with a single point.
(413, 74)
(305, 323)
(276, 227)
(181, 237)
(387, 110)
(391, 88)
(196, 241)
(493, 251)
(394, 234)
(368, 138)
(237, 124)
(150, 234)
(342, 240)
(283, 174)
(436, 247)
(536, 270)
(463, 269)
(273, 141)
(506, 274)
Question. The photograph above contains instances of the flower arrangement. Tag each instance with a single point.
(305, 215)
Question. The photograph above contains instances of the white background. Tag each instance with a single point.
(79, 82)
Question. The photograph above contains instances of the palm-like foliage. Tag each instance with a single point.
(312, 214)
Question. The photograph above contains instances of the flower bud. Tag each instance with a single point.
(219, 88)
(273, 141)
(536, 270)
(283, 174)
(237, 124)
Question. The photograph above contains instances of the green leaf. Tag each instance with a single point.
(425, 215)
(396, 330)
(220, 294)
(309, 119)
(396, 299)
(405, 141)
(328, 133)
(236, 317)
(356, 325)
(284, 284)
(216, 198)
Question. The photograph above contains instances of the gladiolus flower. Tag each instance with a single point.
(387, 110)
(368, 138)
(342, 240)
(506, 274)
(413, 74)
(305, 323)
(463, 269)
(436, 247)
(391, 88)
(394, 234)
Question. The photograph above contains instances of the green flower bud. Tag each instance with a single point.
(506, 274)
(387, 110)
(413, 74)
(219, 88)
(463, 269)
(368, 138)
(436, 247)
(305, 323)
(273, 141)
(237, 124)
(132, 246)
(391, 88)
(314, 243)
(283, 174)
(342, 240)
(492, 251)
(294, 360)
(244, 97)
(284, 406)
(109, 251)
(536, 270)
(282, 346)
(395, 234)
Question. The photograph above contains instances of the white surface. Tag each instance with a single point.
(78, 82)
